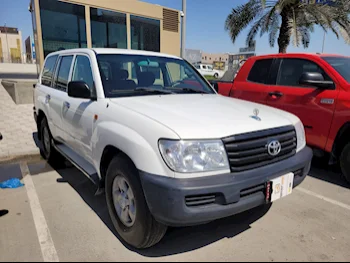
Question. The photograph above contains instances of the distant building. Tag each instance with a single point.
(30, 54)
(210, 58)
(193, 55)
(10, 45)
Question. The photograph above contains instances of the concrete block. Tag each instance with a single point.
(21, 92)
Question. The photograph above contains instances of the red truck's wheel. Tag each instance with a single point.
(345, 162)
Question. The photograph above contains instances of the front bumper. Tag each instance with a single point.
(171, 200)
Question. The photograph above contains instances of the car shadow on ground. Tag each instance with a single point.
(177, 240)
(331, 174)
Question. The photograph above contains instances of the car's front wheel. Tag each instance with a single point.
(345, 162)
(127, 205)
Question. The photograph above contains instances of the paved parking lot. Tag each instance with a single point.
(57, 217)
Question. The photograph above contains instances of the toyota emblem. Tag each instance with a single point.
(274, 148)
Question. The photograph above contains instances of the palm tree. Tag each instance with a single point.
(291, 19)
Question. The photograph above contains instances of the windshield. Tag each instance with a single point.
(340, 64)
(140, 75)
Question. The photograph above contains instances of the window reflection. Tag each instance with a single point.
(145, 34)
(63, 26)
(108, 29)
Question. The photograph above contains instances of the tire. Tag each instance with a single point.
(47, 150)
(144, 231)
(216, 75)
(345, 162)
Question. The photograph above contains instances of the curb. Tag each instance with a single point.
(31, 157)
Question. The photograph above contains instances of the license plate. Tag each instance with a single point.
(280, 187)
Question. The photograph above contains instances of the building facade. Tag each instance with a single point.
(10, 45)
(29, 50)
(127, 24)
(210, 58)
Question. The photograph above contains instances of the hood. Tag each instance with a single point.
(197, 116)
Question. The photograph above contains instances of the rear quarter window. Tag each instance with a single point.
(260, 71)
(47, 74)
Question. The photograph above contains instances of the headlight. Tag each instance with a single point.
(301, 141)
(194, 156)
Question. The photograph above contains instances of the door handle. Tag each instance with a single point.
(67, 104)
(276, 94)
(47, 98)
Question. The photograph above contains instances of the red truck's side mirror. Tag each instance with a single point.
(315, 79)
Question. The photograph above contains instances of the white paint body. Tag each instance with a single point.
(135, 124)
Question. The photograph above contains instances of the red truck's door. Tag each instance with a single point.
(315, 107)
(253, 85)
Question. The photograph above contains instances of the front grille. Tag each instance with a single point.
(200, 200)
(249, 151)
(253, 190)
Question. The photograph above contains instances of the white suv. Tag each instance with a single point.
(208, 70)
(166, 148)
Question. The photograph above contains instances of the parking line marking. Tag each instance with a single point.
(47, 246)
(334, 202)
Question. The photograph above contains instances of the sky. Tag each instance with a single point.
(204, 29)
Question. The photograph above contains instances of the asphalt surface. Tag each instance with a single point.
(57, 217)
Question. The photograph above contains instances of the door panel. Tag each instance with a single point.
(315, 107)
(256, 87)
(59, 94)
(78, 114)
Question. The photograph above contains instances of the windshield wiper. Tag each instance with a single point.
(154, 90)
(192, 90)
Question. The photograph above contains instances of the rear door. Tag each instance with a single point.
(46, 93)
(315, 107)
(254, 84)
(59, 94)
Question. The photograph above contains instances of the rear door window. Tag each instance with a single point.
(47, 75)
(61, 80)
(260, 71)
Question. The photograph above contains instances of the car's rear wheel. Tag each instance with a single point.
(127, 205)
(47, 150)
(216, 75)
(345, 162)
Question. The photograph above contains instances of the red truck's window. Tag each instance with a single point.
(260, 71)
(291, 70)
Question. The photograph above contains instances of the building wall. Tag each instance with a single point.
(169, 23)
(11, 47)
(209, 58)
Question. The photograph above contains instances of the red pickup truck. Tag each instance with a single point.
(315, 87)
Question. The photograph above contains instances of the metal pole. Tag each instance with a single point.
(7, 43)
(324, 39)
(183, 30)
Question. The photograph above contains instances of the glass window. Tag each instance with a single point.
(341, 65)
(260, 71)
(108, 29)
(145, 34)
(127, 73)
(61, 81)
(291, 70)
(63, 25)
(46, 78)
(82, 71)
(197, 66)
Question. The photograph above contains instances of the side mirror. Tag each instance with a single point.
(79, 89)
(315, 79)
